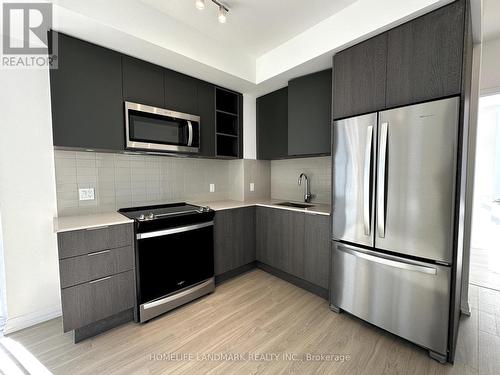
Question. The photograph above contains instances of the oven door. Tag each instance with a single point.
(157, 129)
(174, 259)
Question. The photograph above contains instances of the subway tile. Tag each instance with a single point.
(65, 163)
(65, 179)
(64, 154)
(124, 180)
(85, 155)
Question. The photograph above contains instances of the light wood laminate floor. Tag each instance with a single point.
(485, 268)
(258, 313)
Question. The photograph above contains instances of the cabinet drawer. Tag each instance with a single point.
(87, 303)
(77, 270)
(81, 242)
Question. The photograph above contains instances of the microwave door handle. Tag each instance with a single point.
(190, 133)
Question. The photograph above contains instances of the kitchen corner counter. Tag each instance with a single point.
(317, 208)
(69, 223)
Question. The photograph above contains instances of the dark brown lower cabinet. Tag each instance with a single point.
(317, 249)
(97, 272)
(234, 239)
(294, 242)
(90, 302)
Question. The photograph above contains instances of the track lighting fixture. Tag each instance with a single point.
(200, 4)
(223, 10)
(222, 16)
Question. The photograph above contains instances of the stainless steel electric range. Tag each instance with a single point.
(174, 255)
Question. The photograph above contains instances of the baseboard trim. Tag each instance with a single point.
(465, 309)
(219, 279)
(24, 321)
(297, 281)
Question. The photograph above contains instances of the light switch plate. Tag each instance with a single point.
(212, 188)
(86, 194)
(252, 186)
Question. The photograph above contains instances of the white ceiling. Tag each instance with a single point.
(257, 26)
(264, 44)
(491, 19)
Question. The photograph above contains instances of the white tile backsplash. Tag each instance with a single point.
(285, 174)
(123, 180)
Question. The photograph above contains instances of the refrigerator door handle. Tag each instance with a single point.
(381, 193)
(366, 179)
(388, 262)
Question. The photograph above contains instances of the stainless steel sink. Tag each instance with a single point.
(297, 205)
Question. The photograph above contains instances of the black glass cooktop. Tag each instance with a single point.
(160, 211)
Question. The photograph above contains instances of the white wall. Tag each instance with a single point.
(28, 198)
(490, 71)
(249, 127)
(356, 22)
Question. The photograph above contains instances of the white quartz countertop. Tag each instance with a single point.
(69, 223)
(317, 208)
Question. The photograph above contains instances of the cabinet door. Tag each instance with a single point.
(309, 114)
(86, 94)
(143, 82)
(317, 249)
(280, 239)
(234, 239)
(425, 57)
(206, 109)
(293, 241)
(181, 93)
(360, 78)
(272, 125)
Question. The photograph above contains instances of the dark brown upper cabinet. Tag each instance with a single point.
(86, 95)
(143, 82)
(181, 92)
(360, 78)
(309, 114)
(425, 57)
(92, 83)
(228, 123)
(272, 125)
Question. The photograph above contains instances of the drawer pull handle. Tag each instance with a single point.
(99, 280)
(98, 253)
(96, 228)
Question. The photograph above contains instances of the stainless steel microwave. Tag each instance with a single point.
(160, 130)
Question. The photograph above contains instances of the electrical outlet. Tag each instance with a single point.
(87, 194)
(252, 186)
(212, 188)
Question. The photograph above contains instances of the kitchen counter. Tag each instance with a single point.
(78, 222)
(69, 223)
(317, 208)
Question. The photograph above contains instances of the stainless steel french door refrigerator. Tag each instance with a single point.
(393, 219)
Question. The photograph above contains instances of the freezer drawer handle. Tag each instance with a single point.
(381, 181)
(366, 179)
(389, 262)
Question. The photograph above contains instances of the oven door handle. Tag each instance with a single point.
(166, 232)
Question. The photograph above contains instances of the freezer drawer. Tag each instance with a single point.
(408, 298)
